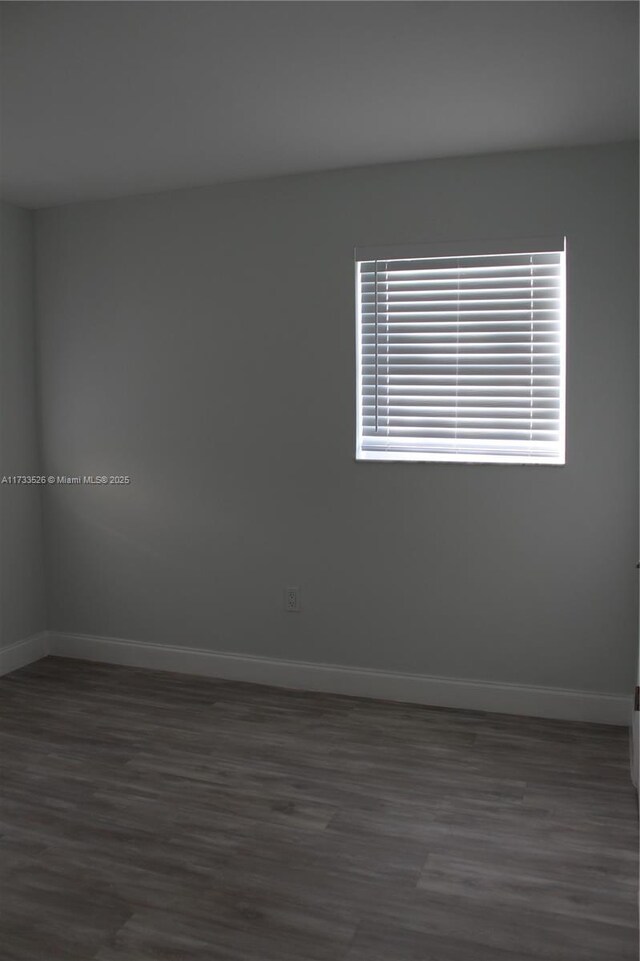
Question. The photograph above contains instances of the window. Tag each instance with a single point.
(461, 353)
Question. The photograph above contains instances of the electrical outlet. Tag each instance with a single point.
(291, 599)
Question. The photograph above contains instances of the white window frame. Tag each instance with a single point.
(455, 250)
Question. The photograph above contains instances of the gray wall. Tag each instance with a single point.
(22, 610)
(202, 342)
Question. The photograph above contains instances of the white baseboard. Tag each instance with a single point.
(24, 652)
(533, 701)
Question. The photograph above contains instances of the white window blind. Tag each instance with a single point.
(461, 354)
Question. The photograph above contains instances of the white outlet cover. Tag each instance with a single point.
(292, 599)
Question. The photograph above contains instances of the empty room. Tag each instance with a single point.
(319, 439)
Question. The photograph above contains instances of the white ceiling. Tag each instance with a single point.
(104, 99)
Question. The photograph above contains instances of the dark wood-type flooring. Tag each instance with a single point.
(149, 816)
